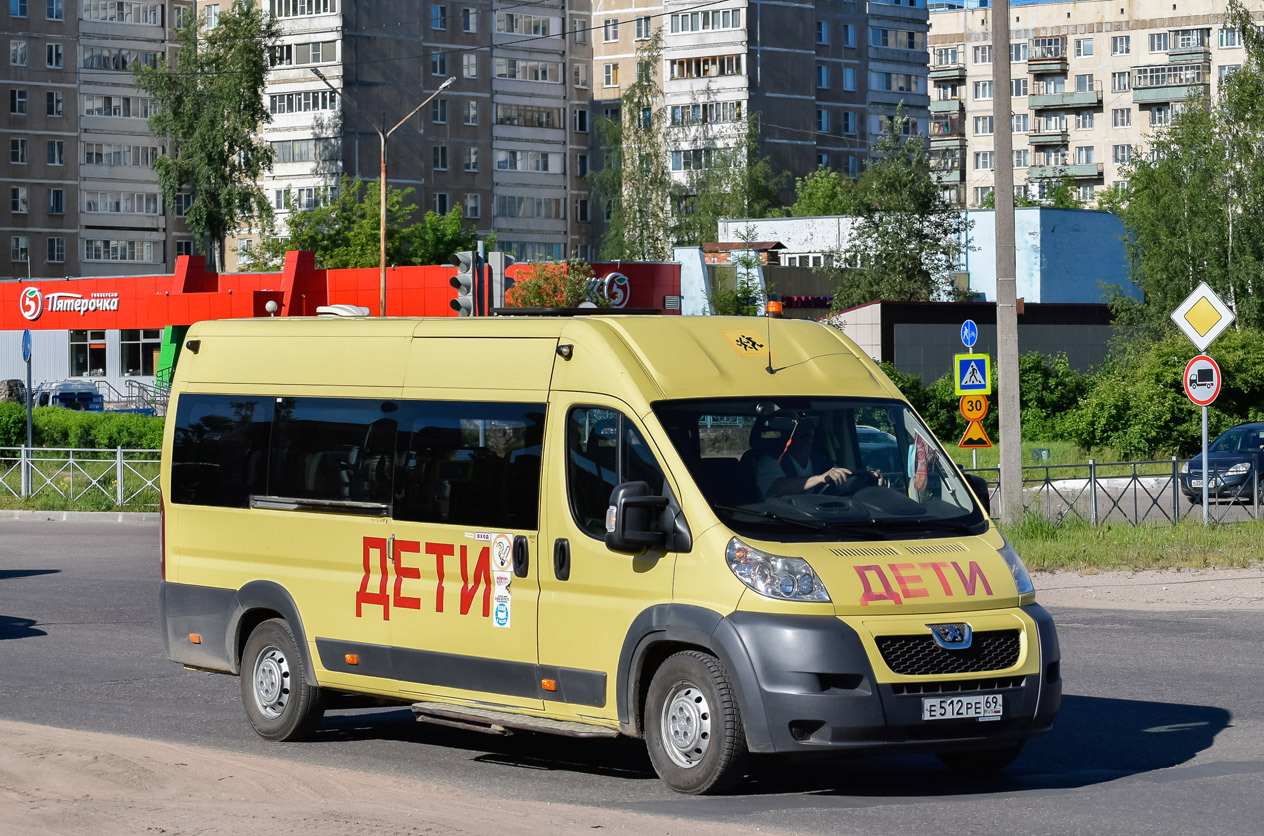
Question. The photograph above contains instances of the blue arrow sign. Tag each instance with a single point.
(26, 346)
(969, 333)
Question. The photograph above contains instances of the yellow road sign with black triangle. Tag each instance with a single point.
(975, 438)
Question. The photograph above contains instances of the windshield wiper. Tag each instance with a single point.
(769, 515)
(964, 528)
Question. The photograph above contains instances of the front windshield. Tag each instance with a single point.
(820, 468)
(1239, 440)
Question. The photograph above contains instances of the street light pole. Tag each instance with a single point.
(382, 137)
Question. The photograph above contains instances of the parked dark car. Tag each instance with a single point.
(1234, 462)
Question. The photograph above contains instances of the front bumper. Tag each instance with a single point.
(806, 684)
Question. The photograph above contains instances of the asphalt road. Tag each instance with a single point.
(1162, 728)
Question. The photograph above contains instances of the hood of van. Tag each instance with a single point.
(914, 576)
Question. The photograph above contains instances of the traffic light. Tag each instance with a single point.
(466, 283)
(499, 262)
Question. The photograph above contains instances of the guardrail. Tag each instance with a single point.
(1132, 493)
(122, 477)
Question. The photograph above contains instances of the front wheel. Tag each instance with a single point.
(980, 761)
(279, 703)
(693, 726)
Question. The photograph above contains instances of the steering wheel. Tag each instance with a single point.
(857, 481)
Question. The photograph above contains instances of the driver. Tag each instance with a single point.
(792, 470)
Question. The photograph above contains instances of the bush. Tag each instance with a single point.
(554, 284)
(57, 427)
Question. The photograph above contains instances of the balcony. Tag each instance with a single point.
(948, 72)
(1190, 45)
(947, 130)
(1045, 95)
(947, 175)
(945, 105)
(1170, 82)
(1048, 136)
(1047, 55)
(1078, 171)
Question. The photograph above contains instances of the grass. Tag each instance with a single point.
(1076, 546)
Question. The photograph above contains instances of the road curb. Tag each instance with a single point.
(81, 516)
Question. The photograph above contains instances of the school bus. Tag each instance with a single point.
(727, 536)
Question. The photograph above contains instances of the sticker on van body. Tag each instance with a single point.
(501, 599)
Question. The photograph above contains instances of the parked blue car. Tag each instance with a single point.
(1234, 462)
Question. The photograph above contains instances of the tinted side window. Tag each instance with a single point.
(220, 454)
(471, 464)
(603, 448)
(333, 449)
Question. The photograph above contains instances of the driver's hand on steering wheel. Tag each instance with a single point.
(833, 476)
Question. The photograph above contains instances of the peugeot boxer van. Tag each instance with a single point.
(727, 536)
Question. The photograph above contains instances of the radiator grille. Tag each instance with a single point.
(921, 656)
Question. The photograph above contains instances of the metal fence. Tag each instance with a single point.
(1131, 493)
(94, 478)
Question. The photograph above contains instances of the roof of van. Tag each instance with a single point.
(637, 358)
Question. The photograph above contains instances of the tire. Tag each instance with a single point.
(279, 703)
(693, 726)
(980, 761)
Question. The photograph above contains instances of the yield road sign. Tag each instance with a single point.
(974, 407)
(1202, 380)
(969, 333)
(1202, 316)
(971, 373)
(975, 438)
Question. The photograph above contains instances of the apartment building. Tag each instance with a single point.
(1091, 79)
(82, 198)
(823, 77)
(506, 142)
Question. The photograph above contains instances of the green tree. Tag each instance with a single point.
(907, 238)
(208, 104)
(633, 182)
(826, 191)
(344, 231)
(1060, 195)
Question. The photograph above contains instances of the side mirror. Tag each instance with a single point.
(632, 520)
(980, 487)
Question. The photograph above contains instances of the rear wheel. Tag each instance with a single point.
(980, 761)
(279, 703)
(693, 727)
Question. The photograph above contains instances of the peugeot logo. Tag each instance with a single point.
(952, 636)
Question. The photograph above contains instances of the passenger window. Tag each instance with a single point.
(220, 454)
(474, 464)
(603, 449)
(333, 449)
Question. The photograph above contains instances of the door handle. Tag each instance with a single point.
(562, 559)
(521, 557)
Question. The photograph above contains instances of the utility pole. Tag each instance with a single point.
(1011, 430)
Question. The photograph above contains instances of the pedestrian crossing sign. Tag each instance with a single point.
(972, 373)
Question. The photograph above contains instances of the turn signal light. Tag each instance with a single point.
(548, 684)
(353, 658)
(196, 638)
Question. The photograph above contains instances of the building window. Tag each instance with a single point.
(822, 120)
(581, 74)
(17, 102)
(707, 67)
(17, 151)
(982, 90)
(849, 121)
(54, 104)
(55, 10)
(822, 161)
(1121, 45)
(184, 246)
(1121, 154)
(983, 54)
(1161, 115)
(849, 79)
(581, 210)
(53, 58)
(982, 194)
(580, 29)
(1121, 117)
(469, 20)
(1019, 123)
(984, 160)
(849, 35)
(1018, 87)
(471, 159)
(439, 111)
(643, 28)
(581, 165)
(87, 353)
(822, 78)
(983, 125)
(581, 120)
(439, 63)
(1084, 120)
(610, 29)
(1230, 38)
(1119, 82)
(56, 201)
(1018, 52)
(610, 75)
(440, 155)
(1084, 155)
(1083, 47)
(140, 347)
(17, 8)
(473, 206)
(184, 201)
(20, 248)
(822, 32)
(469, 65)
(212, 16)
(439, 17)
(56, 250)
(179, 16)
(18, 203)
(441, 203)
(1022, 158)
(1159, 42)
(471, 113)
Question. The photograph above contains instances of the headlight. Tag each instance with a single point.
(783, 578)
(1022, 580)
(1238, 469)
(1185, 468)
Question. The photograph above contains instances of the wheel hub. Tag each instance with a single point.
(271, 680)
(686, 726)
